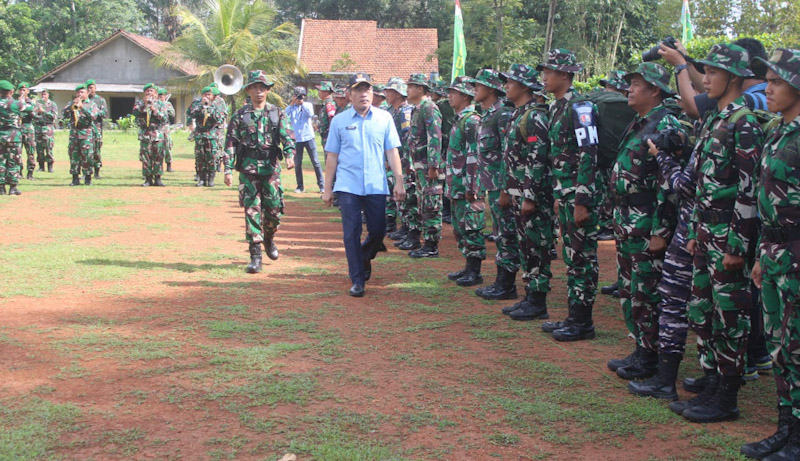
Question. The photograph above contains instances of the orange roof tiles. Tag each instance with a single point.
(326, 45)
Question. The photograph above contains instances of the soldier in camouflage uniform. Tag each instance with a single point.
(97, 132)
(207, 116)
(439, 93)
(527, 188)
(643, 219)
(10, 138)
(45, 117)
(27, 130)
(328, 111)
(151, 115)
(222, 107)
(396, 93)
(80, 115)
(614, 82)
(776, 271)
(164, 97)
(379, 97)
(340, 98)
(573, 157)
(424, 144)
(463, 183)
(252, 140)
(722, 235)
(489, 92)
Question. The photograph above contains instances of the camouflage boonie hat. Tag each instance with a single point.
(615, 79)
(378, 89)
(419, 79)
(654, 74)
(463, 84)
(339, 92)
(561, 59)
(397, 84)
(731, 58)
(325, 85)
(784, 61)
(526, 75)
(441, 87)
(490, 78)
(258, 76)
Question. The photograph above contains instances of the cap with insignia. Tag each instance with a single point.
(357, 78)
(23, 85)
(162, 91)
(146, 87)
(82, 86)
(90, 82)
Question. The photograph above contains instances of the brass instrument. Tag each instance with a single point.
(76, 110)
(229, 79)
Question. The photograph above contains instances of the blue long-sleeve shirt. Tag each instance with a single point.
(301, 115)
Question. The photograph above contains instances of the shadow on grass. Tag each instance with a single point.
(181, 267)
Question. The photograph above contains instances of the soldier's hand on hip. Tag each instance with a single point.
(658, 245)
(732, 263)
(755, 274)
(433, 174)
(327, 197)
(528, 207)
(690, 246)
(228, 179)
(399, 192)
(581, 215)
(289, 163)
(504, 201)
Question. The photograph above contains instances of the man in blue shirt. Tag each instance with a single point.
(301, 112)
(360, 142)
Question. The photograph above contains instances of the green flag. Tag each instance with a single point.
(459, 48)
(686, 22)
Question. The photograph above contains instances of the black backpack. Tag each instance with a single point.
(614, 116)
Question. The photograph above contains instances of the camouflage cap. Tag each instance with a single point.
(463, 84)
(6, 85)
(561, 59)
(397, 84)
(524, 74)
(325, 85)
(419, 79)
(731, 58)
(258, 76)
(784, 61)
(615, 79)
(490, 78)
(654, 74)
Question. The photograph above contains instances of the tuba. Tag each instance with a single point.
(229, 79)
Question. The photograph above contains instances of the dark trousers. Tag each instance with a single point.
(298, 162)
(374, 207)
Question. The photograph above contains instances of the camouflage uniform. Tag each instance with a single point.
(28, 133)
(44, 124)
(408, 209)
(151, 136)
(424, 144)
(207, 120)
(10, 139)
(327, 113)
(573, 157)
(81, 138)
(97, 132)
(222, 108)
(167, 137)
(198, 161)
(259, 172)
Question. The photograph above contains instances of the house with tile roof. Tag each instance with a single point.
(121, 64)
(332, 50)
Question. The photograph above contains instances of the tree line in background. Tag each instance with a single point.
(37, 35)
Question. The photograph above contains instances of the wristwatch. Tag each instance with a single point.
(678, 69)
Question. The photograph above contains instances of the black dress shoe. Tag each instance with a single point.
(367, 268)
(357, 290)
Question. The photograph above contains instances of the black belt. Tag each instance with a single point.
(714, 217)
(780, 234)
(635, 200)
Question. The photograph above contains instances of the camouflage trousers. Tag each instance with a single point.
(675, 289)
(391, 205)
(262, 198)
(44, 143)
(780, 293)
(80, 155)
(10, 163)
(168, 147)
(429, 197)
(719, 308)
(507, 242)
(205, 154)
(639, 276)
(535, 236)
(469, 219)
(603, 188)
(409, 208)
(98, 146)
(151, 153)
(29, 144)
(580, 254)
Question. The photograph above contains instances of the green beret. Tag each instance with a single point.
(215, 91)
(80, 87)
(90, 82)
(206, 89)
(213, 84)
(6, 85)
(23, 85)
(148, 86)
(162, 91)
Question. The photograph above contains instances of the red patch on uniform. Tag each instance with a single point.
(532, 139)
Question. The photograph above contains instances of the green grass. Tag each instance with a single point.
(30, 428)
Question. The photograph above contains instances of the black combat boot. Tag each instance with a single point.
(773, 443)
(615, 364)
(429, 250)
(272, 249)
(13, 190)
(712, 380)
(87, 180)
(76, 180)
(791, 451)
(2, 189)
(662, 385)
(549, 327)
(97, 173)
(534, 308)
(41, 166)
(610, 289)
(472, 276)
(646, 366)
(581, 327)
(504, 286)
(255, 259)
(457, 274)
(720, 407)
(29, 175)
(49, 167)
(400, 234)
(411, 241)
(148, 181)
(694, 385)
(210, 179)
(391, 224)
(169, 167)
(201, 179)
(158, 182)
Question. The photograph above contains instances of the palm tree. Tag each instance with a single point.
(238, 32)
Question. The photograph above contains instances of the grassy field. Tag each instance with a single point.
(130, 331)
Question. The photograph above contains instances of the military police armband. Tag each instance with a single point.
(585, 123)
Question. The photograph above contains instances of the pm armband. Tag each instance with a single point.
(585, 123)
